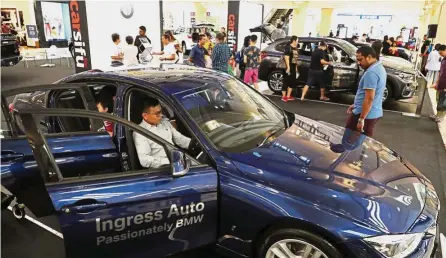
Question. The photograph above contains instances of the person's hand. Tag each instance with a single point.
(434, 85)
(288, 70)
(350, 109)
(161, 58)
(360, 126)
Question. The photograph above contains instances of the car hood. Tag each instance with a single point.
(343, 172)
(398, 64)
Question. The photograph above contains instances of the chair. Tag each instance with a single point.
(52, 53)
(28, 56)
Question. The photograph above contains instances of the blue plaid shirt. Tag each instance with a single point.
(220, 57)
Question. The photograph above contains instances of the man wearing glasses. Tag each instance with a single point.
(150, 153)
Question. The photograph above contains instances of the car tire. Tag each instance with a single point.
(298, 242)
(275, 81)
(388, 93)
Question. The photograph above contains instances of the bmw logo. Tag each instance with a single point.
(127, 11)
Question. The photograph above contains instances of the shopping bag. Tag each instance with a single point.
(441, 105)
(281, 64)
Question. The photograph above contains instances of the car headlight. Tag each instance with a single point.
(406, 76)
(396, 246)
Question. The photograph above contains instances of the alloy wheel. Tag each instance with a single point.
(385, 94)
(276, 81)
(293, 248)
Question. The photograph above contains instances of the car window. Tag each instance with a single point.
(72, 99)
(135, 99)
(86, 148)
(233, 116)
(306, 49)
(281, 47)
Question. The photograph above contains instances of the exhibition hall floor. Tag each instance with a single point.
(417, 139)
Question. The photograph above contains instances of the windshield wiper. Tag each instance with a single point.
(269, 136)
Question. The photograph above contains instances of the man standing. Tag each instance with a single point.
(316, 76)
(221, 54)
(367, 107)
(141, 40)
(440, 84)
(197, 53)
(252, 60)
(168, 55)
(117, 55)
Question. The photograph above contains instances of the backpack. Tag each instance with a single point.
(239, 57)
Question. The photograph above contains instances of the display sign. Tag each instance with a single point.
(31, 31)
(233, 23)
(369, 17)
(79, 28)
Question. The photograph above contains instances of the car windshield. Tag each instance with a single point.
(233, 116)
(349, 48)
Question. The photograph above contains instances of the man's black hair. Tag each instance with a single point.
(377, 46)
(143, 28)
(279, 26)
(106, 101)
(246, 41)
(115, 37)
(364, 34)
(208, 34)
(293, 38)
(149, 102)
(201, 36)
(437, 46)
(253, 38)
(322, 44)
(220, 36)
(108, 89)
(442, 48)
(366, 51)
(129, 39)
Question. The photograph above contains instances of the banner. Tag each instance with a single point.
(233, 24)
(79, 31)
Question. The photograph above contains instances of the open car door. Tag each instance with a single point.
(145, 213)
(16, 157)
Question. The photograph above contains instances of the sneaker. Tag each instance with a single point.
(284, 99)
(291, 98)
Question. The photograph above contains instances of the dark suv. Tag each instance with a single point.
(401, 77)
(10, 50)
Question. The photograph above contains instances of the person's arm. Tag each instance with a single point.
(286, 56)
(259, 59)
(144, 151)
(370, 85)
(323, 62)
(214, 54)
(192, 55)
(178, 138)
(245, 58)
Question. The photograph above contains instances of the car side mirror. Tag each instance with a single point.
(180, 164)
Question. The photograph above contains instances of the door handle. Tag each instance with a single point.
(10, 155)
(84, 206)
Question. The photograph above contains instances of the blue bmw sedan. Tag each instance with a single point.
(257, 181)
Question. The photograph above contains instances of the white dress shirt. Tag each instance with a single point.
(433, 61)
(130, 53)
(150, 153)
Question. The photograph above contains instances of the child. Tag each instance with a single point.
(104, 103)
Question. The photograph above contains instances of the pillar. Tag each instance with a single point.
(325, 24)
(200, 12)
(441, 30)
(298, 21)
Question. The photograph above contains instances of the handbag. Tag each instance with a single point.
(281, 64)
(441, 105)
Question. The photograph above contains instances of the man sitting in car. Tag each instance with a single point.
(150, 153)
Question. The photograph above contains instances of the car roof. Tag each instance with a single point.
(171, 79)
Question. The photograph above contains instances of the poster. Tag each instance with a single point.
(54, 22)
(31, 31)
(233, 23)
(79, 28)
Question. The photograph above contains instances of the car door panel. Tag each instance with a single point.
(154, 197)
(130, 214)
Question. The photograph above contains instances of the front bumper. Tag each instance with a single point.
(10, 61)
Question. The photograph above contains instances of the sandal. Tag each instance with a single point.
(324, 99)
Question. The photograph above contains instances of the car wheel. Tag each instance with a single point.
(296, 243)
(275, 81)
(388, 93)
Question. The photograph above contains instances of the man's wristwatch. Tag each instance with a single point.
(360, 120)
